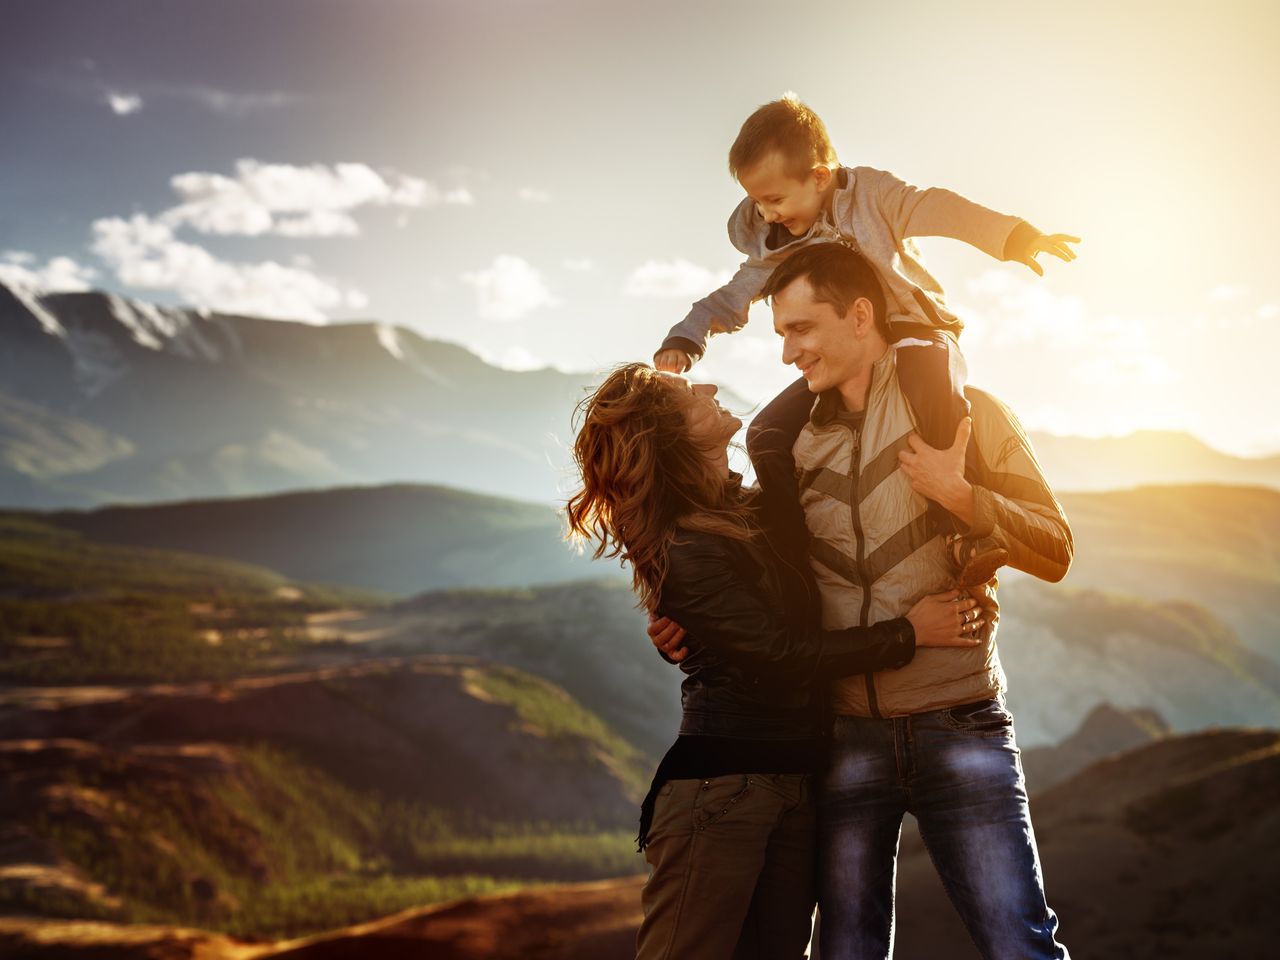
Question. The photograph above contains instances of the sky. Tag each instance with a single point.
(545, 181)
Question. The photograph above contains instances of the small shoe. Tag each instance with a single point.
(983, 557)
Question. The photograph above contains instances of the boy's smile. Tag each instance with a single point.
(781, 198)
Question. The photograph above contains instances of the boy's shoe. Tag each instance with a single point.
(976, 561)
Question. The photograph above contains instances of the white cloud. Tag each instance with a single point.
(533, 195)
(248, 203)
(145, 254)
(1012, 310)
(1125, 373)
(1269, 311)
(1225, 292)
(318, 223)
(123, 104)
(228, 103)
(509, 289)
(460, 196)
(59, 275)
(515, 358)
(673, 279)
(579, 264)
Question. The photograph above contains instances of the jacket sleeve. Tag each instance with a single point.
(1012, 500)
(721, 311)
(705, 594)
(934, 212)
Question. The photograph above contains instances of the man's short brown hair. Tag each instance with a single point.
(837, 275)
(789, 127)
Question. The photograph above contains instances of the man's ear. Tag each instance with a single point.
(864, 317)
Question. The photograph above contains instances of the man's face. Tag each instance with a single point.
(819, 340)
(781, 198)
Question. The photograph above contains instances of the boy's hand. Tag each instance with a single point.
(668, 637)
(672, 361)
(1055, 243)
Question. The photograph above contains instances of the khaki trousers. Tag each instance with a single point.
(733, 873)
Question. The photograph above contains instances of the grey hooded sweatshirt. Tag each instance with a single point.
(877, 214)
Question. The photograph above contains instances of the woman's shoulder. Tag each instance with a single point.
(695, 552)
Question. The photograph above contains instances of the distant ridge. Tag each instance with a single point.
(402, 538)
(107, 399)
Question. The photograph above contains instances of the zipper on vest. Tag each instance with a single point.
(859, 559)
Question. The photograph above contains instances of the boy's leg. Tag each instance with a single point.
(770, 438)
(932, 375)
(969, 796)
(707, 845)
(860, 809)
(779, 922)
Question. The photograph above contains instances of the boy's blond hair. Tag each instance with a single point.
(789, 127)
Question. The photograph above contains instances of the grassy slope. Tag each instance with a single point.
(401, 538)
(73, 610)
(1215, 546)
(261, 843)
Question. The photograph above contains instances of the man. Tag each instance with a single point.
(844, 480)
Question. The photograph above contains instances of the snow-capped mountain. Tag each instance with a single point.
(104, 398)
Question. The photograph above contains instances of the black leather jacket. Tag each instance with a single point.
(758, 666)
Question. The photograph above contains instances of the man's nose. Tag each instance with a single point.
(789, 352)
(705, 389)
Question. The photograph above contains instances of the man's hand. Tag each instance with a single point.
(939, 474)
(672, 361)
(1055, 243)
(668, 637)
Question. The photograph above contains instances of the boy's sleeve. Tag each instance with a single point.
(1012, 500)
(721, 311)
(934, 212)
(724, 310)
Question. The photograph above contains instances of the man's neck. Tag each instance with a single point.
(853, 392)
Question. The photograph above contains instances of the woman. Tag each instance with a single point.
(728, 825)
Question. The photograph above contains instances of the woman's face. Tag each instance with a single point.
(711, 426)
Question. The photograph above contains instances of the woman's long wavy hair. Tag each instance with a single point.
(643, 476)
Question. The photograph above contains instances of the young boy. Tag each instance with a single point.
(798, 194)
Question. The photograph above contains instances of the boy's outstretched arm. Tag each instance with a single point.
(935, 212)
(1055, 243)
(721, 311)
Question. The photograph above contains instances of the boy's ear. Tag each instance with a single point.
(822, 176)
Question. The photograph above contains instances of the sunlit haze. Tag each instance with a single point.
(545, 182)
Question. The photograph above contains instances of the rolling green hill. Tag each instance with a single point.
(400, 539)
(1215, 546)
(277, 806)
(73, 610)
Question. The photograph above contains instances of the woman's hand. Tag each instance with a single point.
(949, 619)
(668, 637)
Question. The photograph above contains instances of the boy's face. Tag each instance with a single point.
(781, 198)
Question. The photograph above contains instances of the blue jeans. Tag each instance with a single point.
(957, 771)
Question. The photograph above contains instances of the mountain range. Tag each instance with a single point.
(105, 399)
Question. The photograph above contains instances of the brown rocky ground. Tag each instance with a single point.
(1166, 851)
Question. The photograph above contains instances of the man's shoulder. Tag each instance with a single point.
(990, 412)
(996, 429)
